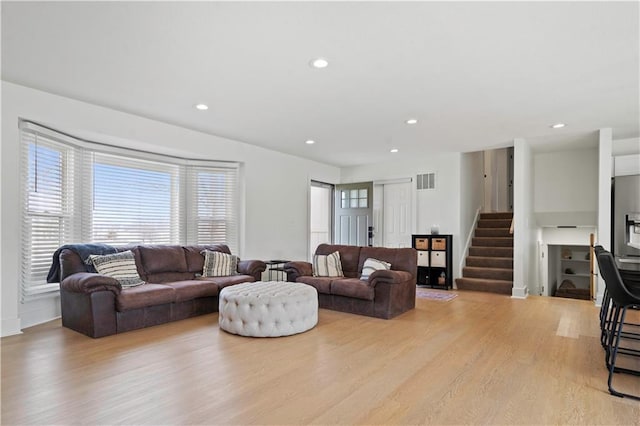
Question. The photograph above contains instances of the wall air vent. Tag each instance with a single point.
(426, 181)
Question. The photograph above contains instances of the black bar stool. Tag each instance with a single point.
(620, 299)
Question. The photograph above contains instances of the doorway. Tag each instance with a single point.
(353, 211)
(498, 180)
(320, 215)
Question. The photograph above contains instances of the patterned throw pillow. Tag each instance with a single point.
(371, 265)
(218, 264)
(121, 266)
(327, 265)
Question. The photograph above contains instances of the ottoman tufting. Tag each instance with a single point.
(268, 309)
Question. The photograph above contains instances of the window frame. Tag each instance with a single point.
(30, 278)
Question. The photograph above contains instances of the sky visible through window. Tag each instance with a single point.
(131, 205)
(45, 180)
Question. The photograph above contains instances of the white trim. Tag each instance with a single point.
(78, 142)
(520, 295)
(467, 244)
(41, 290)
(11, 327)
(389, 181)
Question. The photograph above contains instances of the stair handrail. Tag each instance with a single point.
(511, 228)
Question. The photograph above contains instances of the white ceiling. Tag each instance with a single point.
(476, 75)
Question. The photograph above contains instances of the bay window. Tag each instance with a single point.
(77, 191)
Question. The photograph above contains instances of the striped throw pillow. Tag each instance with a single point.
(218, 264)
(327, 265)
(121, 266)
(371, 265)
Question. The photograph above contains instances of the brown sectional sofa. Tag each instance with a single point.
(386, 294)
(96, 305)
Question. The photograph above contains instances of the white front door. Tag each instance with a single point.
(396, 213)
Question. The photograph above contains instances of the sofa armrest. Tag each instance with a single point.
(252, 267)
(297, 269)
(389, 276)
(87, 282)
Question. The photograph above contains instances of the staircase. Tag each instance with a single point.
(490, 261)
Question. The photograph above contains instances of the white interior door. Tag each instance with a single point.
(396, 213)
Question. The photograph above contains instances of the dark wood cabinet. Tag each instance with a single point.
(435, 263)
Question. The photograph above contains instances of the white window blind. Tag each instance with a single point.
(48, 218)
(77, 191)
(133, 201)
(213, 204)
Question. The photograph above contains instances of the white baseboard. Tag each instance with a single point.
(11, 327)
(519, 293)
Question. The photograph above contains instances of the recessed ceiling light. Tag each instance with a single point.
(202, 107)
(319, 63)
(394, 150)
(558, 126)
(309, 142)
(411, 121)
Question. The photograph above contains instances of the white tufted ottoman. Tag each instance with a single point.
(268, 309)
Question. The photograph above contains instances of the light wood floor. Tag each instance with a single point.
(478, 359)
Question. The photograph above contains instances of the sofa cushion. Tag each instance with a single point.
(195, 260)
(321, 284)
(120, 266)
(327, 265)
(144, 295)
(371, 265)
(349, 258)
(401, 259)
(157, 259)
(167, 277)
(352, 287)
(192, 289)
(218, 264)
(223, 282)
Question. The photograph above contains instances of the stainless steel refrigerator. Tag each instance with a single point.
(626, 221)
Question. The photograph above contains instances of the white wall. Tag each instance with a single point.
(471, 199)
(525, 252)
(276, 192)
(439, 206)
(625, 165)
(605, 172)
(567, 236)
(565, 187)
(625, 146)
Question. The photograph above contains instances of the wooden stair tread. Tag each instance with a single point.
(485, 285)
(490, 257)
(491, 251)
(486, 280)
(487, 268)
(492, 242)
(496, 215)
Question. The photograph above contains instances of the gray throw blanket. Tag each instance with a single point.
(84, 251)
